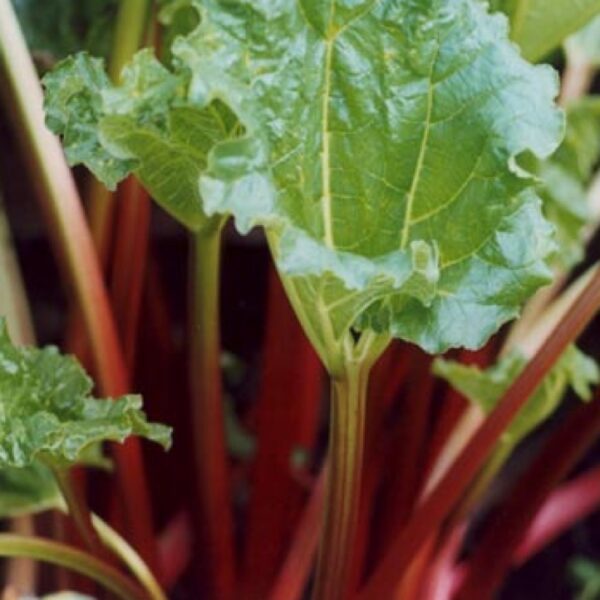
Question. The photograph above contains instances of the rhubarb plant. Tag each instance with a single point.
(400, 157)
(382, 146)
(585, 42)
(365, 242)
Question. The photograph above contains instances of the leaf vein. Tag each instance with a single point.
(421, 158)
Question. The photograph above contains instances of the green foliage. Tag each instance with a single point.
(28, 490)
(565, 179)
(48, 414)
(586, 575)
(57, 28)
(586, 42)
(485, 388)
(241, 444)
(540, 26)
(500, 5)
(372, 227)
(142, 125)
(33, 488)
(178, 17)
(379, 146)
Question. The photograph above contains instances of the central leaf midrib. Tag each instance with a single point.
(326, 200)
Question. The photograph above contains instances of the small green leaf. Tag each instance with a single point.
(565, 179)
(28, 490)
(74, 105)
(540, 26)
(48, 414)
(142, 125)
(241, 444)
(586, 575)
(485, 388)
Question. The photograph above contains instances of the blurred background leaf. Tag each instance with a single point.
(56, 28)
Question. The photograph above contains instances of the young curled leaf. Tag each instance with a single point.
(485, 388)
(47, 412)
(144, 126)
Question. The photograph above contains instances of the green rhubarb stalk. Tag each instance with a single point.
(100, 537)
(130, 558)
(65, 556)
(349, 387)
(346, 444)
(13, 299)
(213, 492)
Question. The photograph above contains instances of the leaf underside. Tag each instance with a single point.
(28, 490)
(379, 145)
(47, 412)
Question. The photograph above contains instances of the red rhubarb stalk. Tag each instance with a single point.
(570, 503)
(510, 523)
(73, 244)
(287, 416)
(295, 572)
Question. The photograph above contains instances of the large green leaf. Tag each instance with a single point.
(380, 150)
(142, 125)
(380, 154)
(486, 387)
(56, 28)
(47, 412)
(540, 26)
